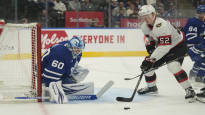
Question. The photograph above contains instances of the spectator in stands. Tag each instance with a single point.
(198, 2)
(161, 12)
(60, 9)
(116, 19)
(172, 12)
(141, 2)
(104, 6)
(32, 11)
(116, 11)
(160, 9)
(86, 5)
(131, 8)
(74, 5)
(50, 12)
(134, 14)
(59, 6)
(114, 4)
(98, 3)
(127, 3)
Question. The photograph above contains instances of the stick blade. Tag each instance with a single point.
(123, 99)
(107, 86)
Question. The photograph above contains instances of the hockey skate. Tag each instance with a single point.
(148, 90)
(201, 95)
(190, 95)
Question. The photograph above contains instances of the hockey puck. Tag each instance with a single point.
(126, 108)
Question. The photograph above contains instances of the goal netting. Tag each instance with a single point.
(20, 62)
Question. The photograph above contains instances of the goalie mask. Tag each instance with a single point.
(76, 45)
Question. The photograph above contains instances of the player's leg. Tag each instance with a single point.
(201, 73)
(151, 88)
(193, 72)
(56, 93)
(182, 79)
(150, 79)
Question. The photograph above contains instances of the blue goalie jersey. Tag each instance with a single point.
(58, 63)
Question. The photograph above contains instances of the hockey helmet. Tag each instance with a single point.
(146, 9)
(76, 45)
(200, 9)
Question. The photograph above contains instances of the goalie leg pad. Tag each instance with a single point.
(57, 93)
(79, 88)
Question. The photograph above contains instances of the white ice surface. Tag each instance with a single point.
(170, 100)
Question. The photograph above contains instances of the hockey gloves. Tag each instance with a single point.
(151, 47)
(147, 64)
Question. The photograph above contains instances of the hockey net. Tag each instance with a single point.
(20, 62)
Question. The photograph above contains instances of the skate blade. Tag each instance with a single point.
(150, 93)
(200, 99)
(191, 100)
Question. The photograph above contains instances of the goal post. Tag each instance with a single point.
(20, 61)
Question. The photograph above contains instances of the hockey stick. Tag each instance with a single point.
(153, 68)
(124, 99)
(106, 87)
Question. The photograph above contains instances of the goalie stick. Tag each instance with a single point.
(105, 88)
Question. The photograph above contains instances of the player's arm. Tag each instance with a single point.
(150, 44)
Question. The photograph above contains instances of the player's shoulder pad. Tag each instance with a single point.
(160, 25)
(61, 50)
(194, 21)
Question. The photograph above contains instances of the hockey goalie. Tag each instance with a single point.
(61, 74)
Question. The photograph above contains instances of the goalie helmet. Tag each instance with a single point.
(76, 45)
(200, 9)
(146, 9)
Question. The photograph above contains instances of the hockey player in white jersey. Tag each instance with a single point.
(165, 44)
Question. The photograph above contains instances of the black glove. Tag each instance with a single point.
(147, 64)
(151, 47)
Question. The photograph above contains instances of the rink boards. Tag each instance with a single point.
(99, 42)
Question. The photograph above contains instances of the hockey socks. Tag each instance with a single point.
(182, 79)
(151, 86)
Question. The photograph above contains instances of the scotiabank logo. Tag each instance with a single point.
(50, 38)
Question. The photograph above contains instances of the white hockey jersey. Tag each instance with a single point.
(165, 36)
